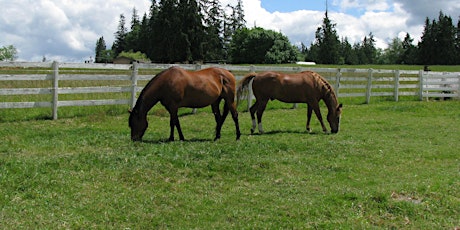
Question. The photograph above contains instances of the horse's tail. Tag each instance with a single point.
(243, 85)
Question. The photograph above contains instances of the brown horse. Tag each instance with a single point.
(175, 88)
(305, 87)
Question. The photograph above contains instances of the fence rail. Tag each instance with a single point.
(347, 82)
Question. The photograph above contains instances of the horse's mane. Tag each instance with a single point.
(140, 99)
(327, 92)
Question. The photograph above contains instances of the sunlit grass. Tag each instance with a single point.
(392, 165)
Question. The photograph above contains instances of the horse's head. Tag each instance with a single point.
(333, 117)
(138, 124)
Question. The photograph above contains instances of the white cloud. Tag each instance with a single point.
(67, 30)
(64, 30)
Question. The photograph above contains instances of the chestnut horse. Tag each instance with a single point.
(175, 88)
(305, 87)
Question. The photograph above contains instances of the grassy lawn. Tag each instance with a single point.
(392, 165)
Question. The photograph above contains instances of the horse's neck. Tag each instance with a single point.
(330, 100)
(144, 106)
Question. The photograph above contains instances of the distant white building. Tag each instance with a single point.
(305, 63)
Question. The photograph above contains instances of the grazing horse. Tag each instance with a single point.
(305, 87)
(175, 88)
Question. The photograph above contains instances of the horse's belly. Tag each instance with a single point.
(199, 99)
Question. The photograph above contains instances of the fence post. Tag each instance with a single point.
(420, 81)
(369, 86)
(134, 78)
(458, 86)
(397, 85)
(337, 81)
(197, 67)
(55, 102)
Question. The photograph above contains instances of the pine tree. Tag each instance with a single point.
(166, 33)
(100, 50)
(347, 54)
(369, 50)
(232, 23)
(192, 30)
(409, 55)
(437, 46)
(132, 37)
(214, 22)
(446, 34)
(457, 41)
(119, 44)
(148, 31)
(328, 42)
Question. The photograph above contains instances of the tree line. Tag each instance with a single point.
(177, 31)
(188, 31)
(439, 45)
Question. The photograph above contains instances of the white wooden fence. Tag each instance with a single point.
(347, 82)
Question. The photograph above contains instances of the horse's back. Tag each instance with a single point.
(290, 88)
(194, 89)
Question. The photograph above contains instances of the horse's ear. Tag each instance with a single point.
(339, 108)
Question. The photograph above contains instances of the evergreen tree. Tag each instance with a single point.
(347, 54)
(132, 37)
(437, 46)
(148, 31)
(214, 21)
(100, 50)
(457, 41)
(409, 55)
(192, 30)
(368, 50)
(167, 34)
(328, 42)
(144, 36)
(312, 53)
(119, 44)
(233, 22)
(446, 35)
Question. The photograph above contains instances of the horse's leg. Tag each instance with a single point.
(174, 121)
(253, 110)
(171, 126)
(318, 115)
(217, 117)
(309, 113)
(232, 107)
(260, 112)
(224, 113)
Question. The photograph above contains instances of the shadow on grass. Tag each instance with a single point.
(162, 141)
(275, 132)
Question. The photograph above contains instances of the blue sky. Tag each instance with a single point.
(67, 31)
(293, 5)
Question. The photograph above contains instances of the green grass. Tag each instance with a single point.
(392, 165)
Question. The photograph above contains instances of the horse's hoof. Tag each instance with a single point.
(252, 131)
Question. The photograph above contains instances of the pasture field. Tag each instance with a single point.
(392, 165)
